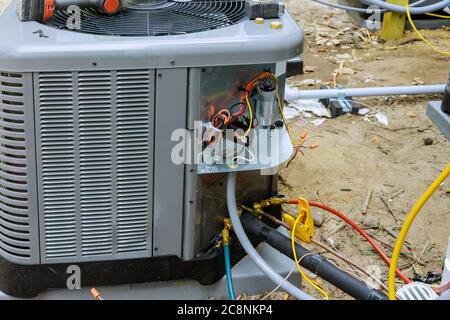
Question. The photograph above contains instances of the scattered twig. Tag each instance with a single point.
(391, 247)
(397, 129)
(396, 194)
(319, 198)
(394, 234)
(336, 230)
(386, 204)
(352, 264)
(284, 182)
(415, 261)
(380, 135)
(367, 201)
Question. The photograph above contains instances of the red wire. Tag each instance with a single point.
(361, 232)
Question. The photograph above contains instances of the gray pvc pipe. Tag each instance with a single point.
(419, 10)
(248, 247)
(356, 9)
(344, 7)
(363, 92)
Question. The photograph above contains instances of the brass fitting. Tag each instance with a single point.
(275, 201)
(227, 223)
(225, 237)
(225, 232)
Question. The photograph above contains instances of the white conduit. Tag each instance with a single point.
(295, 94)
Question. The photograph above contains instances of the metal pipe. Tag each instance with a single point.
(248, 247)
(363, 92)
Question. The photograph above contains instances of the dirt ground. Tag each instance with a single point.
(356, 156)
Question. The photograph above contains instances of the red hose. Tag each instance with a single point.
(361, 232)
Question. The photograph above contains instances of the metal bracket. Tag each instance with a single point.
(341, 99)
(340, 105)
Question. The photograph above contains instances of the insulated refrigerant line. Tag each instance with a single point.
(250, 250)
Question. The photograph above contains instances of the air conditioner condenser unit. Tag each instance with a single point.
(88, 106)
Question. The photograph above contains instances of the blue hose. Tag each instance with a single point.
(230, 287)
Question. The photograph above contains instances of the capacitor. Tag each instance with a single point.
(267, 109)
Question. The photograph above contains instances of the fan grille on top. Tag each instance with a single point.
(143, 19)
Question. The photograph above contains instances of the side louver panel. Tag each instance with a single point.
(18, 210)
(95, 151)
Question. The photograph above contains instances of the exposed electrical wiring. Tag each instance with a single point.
(249, 88)
(300, 144)
(280, 104)
(294, 252)
(251, 159)
(96, 294)
(250, 112)
(222, 119)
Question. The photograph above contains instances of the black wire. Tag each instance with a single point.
(236, 104)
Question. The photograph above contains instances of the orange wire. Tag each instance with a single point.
(249, 87)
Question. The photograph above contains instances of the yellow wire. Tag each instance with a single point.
(408, 14)
(251, 117)
(296, 260)
(280, 105)
(282, 113)
(409, 220)
(437, 15)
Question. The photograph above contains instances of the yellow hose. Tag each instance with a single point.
(409, 220)
(432, 46)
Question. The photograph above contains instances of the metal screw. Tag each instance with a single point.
(40, 33)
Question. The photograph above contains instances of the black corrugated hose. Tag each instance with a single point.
(313, 262)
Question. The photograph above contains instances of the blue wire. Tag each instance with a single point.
(230, 287)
